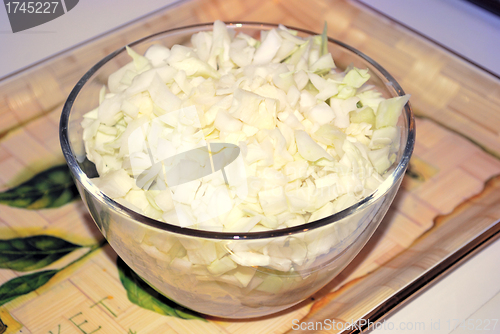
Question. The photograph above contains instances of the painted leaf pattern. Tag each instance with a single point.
(51, 188)
(24, 284)
(34, 252)
(140, 293)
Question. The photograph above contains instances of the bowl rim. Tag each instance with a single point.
(381, 190)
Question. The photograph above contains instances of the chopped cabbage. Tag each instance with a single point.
(309, 141)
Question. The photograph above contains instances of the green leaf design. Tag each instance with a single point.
(25, 284)
(141, 293)
(35, 252)
(49, 189)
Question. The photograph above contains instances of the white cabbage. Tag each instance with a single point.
(313, 141)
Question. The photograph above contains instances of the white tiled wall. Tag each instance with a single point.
(465, 301)
(457, 24)
(88, 19)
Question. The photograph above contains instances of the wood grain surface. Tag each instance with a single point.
(451, 193)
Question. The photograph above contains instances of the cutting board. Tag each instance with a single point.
(449, 196)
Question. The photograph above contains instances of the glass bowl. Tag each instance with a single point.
(291, 264)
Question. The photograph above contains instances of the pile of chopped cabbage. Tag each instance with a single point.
(314, 140)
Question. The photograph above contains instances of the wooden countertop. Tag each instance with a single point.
(451, 195)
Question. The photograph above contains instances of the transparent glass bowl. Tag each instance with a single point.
(157, 251)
